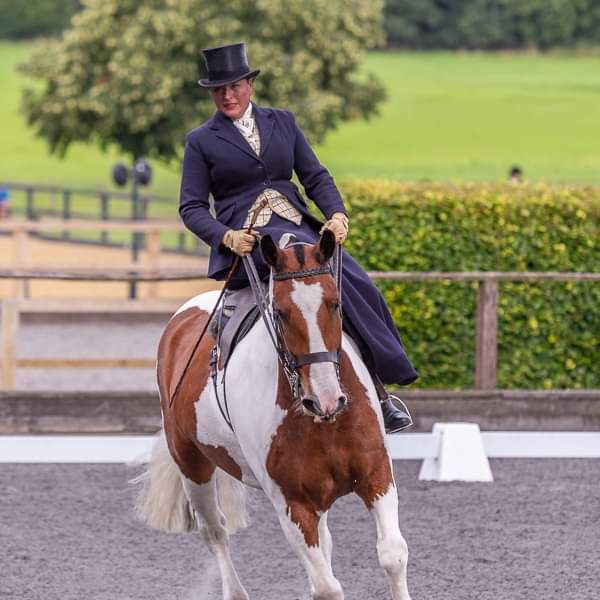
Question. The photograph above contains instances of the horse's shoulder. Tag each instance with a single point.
(178, 342)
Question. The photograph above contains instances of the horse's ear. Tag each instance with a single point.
(326, 246)
(269, 250)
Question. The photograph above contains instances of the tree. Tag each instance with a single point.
(32, 19)
(125, 74)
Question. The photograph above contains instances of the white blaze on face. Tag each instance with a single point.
(324, 384)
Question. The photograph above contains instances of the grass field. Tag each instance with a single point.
(448, 117)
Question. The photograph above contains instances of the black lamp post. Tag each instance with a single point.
(140, 174)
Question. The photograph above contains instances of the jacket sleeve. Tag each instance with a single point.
(193, 197)
(314, 177)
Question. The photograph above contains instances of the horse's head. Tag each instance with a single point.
(306, 308)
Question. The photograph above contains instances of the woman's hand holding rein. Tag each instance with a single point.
(239, 241)
(338, 224)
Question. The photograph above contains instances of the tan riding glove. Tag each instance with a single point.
(239, 241)
(339, 225)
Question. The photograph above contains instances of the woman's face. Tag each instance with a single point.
(232, 100)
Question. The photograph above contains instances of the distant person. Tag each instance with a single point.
(245, 155)
(515, 175)
(4, 202)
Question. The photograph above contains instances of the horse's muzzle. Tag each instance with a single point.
(313, 407)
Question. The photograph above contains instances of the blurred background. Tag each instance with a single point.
(464, 136)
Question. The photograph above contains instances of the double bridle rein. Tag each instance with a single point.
(289, 361)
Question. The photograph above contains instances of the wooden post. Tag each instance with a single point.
(29, 209)
(486, 350)
(19, 259)
(66, 211)
(9, 327)
(104, 215)
(153, 259)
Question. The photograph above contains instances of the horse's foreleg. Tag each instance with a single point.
(308, 535)
(325, 540)
(203, 498)
(391, 546)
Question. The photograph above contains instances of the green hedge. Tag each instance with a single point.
(549, 332)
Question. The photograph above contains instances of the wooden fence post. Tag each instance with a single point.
(19, 259)
(66, 211)
(486, 350)
(9, 327)
(153, 250)
(104, 215)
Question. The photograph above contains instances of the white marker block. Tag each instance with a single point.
(461, 455)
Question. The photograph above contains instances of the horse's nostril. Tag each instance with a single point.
(312, 406)
(342, 401)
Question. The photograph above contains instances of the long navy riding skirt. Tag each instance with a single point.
(366, 317)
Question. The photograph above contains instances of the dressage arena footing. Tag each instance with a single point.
(69, 533)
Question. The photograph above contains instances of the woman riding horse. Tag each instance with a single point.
(245, 156)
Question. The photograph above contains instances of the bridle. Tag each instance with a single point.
(290, 362)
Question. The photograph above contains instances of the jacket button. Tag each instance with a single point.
(267, 182)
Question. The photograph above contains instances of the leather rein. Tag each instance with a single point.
(289, 361)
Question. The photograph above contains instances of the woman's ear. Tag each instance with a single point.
(269, 250)
(326, 246)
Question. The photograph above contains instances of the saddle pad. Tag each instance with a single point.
(244, 313)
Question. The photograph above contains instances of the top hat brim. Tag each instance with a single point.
(212, 83)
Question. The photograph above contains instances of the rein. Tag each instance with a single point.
(289, 362)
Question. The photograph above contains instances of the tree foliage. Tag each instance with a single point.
(32, 19)
(126, 72)
(492, 24)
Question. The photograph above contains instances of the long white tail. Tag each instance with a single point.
(162, 503)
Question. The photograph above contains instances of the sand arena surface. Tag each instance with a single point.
(68, 532)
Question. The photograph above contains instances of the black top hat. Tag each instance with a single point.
(226, 64)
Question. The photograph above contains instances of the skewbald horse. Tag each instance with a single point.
(304, 453)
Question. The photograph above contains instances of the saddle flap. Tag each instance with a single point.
(244, 313)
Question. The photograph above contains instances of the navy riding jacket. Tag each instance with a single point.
(219, 161)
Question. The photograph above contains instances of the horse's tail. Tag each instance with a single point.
(162, 503)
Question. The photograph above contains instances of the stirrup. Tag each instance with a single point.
(396, 415)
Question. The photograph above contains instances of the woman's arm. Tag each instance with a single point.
(314, 177)
(193, 198)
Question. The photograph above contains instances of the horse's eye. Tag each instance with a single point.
(335, 305)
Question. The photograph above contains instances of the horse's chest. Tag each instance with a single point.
(304, 464)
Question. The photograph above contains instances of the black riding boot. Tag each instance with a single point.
(395, 414)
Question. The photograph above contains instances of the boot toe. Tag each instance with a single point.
(395, 415)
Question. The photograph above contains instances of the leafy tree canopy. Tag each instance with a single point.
(125, 73)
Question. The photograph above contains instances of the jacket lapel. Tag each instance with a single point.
(265, 123)
(226, 130)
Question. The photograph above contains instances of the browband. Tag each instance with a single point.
(324, 270)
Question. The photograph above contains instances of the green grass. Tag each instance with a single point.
(461, 117)
(448, 116)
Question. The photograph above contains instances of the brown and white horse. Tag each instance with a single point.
(303, 459)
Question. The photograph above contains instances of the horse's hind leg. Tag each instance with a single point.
(391, 546)
(314, 550)
(204, 500)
